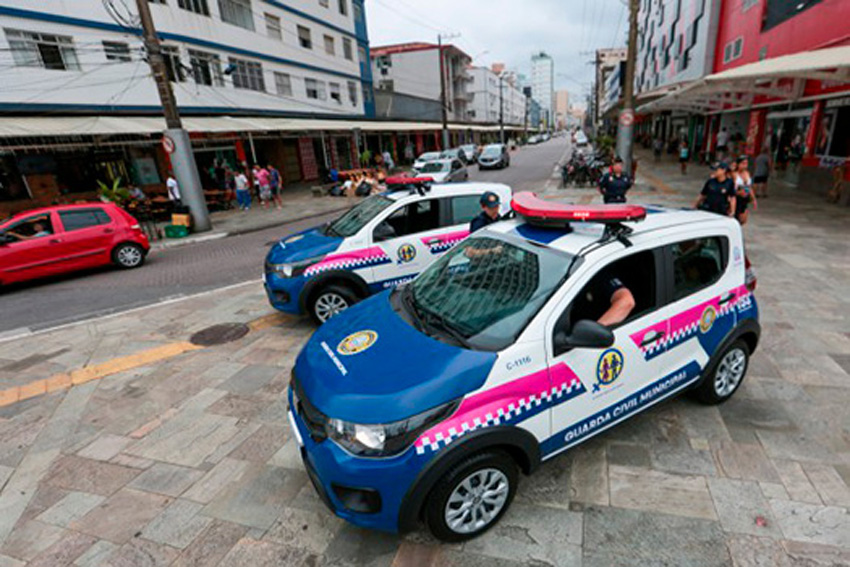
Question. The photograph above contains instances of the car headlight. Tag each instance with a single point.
(387, 439)
(294, 269)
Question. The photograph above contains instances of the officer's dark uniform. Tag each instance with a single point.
(614, 187)
(489, 200)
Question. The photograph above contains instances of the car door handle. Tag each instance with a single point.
(55, 240)
(651, 337)
(108, 231)
(727, 298)
(434, 240)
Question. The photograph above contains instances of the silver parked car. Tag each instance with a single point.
(494, 156)
(444, 171)
(425, 158)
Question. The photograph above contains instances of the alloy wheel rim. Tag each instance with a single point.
(330, 304)
(476, 501)
(129, 256)
(730, 371)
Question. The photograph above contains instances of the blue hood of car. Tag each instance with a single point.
(302, 245)
(401, 373)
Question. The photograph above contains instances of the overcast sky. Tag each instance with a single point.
(509, 31)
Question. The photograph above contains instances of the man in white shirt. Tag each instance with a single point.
(243, 193)
(722, 143)
(173, 190)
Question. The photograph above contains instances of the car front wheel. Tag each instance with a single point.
(329, 301)
(725, 376)
(128, 256)
(472, 496)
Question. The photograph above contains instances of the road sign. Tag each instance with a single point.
(168, 145)
(627, 118)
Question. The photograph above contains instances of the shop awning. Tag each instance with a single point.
(46, 126)
(781, 78)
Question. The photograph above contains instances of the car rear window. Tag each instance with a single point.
(83, 218)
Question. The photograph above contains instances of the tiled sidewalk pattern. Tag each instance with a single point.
(190, 461)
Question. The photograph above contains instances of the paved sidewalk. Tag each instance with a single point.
(184, 457)
(299, 203)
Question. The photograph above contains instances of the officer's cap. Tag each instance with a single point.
(618, 159)
(720, 165)
(490, 199)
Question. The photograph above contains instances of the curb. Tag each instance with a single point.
(175, 243)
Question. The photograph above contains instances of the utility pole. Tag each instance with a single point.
(626, 119)
(175, 139)
(501, 109)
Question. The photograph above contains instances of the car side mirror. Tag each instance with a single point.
(584, 334)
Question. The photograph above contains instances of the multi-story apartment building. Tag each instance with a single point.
(608, 63)
(494, 95)
(542, 85)
(407, 81)
(562, 108)
(79, 104)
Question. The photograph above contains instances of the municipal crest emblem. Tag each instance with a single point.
(406, 253)
(356, 342)
(609, 368)
(707, 319)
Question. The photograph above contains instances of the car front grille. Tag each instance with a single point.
(312, 417)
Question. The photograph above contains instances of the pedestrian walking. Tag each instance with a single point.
(684, 152)
(718, 193)
(276, 184)
(262, 181)
(243, 191)
(657, 148)
(744, 194)
(614, 185)
(389, 163)
(761, 173)
(173, 190)
(722, 143)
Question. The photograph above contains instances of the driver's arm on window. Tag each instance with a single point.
(622, 303)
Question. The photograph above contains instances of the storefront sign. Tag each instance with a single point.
(168, 145)
(837, 102)
(828, 162)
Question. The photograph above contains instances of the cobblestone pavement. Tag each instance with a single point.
(163, 454)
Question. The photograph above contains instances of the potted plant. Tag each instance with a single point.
(114, 193)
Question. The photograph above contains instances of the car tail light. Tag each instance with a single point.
(750, 279)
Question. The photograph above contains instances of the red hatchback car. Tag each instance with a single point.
(64, 238)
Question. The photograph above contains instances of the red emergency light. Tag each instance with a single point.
(408, 180)
(535, 209)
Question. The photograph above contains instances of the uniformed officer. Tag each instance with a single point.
(614, 185)
(489, 211)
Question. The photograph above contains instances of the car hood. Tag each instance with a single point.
(302, 245)
(400, 373)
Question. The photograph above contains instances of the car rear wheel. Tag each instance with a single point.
(128, 256)
(472, 496)
(725, 375)
(329, 301)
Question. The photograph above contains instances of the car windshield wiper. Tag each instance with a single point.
(439, 322)
(412, 309)
(331, 231)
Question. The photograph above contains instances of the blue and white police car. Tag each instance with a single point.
(383, 241)
(425, 402)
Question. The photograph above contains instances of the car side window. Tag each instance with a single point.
(635, 272)
(410, 219)
(83, 218)
(36, 226)
(465, 208)
(455, 165)
(697, 264)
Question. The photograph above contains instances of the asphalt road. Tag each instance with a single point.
(196, 268)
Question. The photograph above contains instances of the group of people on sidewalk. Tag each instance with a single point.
(265, 183)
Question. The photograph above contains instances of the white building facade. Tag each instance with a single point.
(542, 85)
(298, 58)
(490, 99)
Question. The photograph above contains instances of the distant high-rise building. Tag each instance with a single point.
(542, 84)
(562, 108)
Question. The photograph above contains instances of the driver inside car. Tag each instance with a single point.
(38, 228)
(606, 293)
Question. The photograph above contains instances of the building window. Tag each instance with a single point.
(367, 94)
(361, 53)
(30, 49)
(330, 48)
(352, 93)
(384, 64)
(358, 13)
(247, 75)
(237, 12)
(157, 2)
(738, 48)
(315, 89)
(197, 6)
(206, 68)
(273, 27)
(325, 3)
(386, 85)
(283, 83)
(343, 7)
(304, 39)
(116, 51)
(173, 67)
(347, 50)
(733, 49)
(336, 92)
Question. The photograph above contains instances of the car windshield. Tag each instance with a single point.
(430, 156)
(450, 154)
(483, 293)
(434, 167)
(494, 151)
(356, 218)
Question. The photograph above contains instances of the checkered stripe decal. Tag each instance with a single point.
(348, 262)
(446, 241)
(510, 412)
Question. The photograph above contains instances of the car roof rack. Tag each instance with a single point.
(540, 212)
(420, 185)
